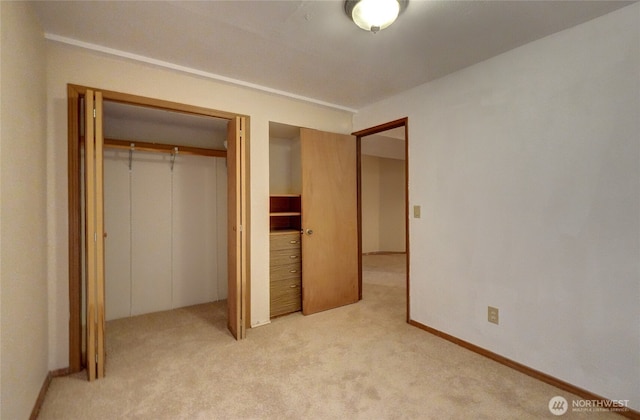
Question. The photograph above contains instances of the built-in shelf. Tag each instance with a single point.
(285, 212)
(290, 213)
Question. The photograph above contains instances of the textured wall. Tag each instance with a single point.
(527, 169)
(23, 223)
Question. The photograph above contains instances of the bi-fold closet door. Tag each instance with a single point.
(166, 221)
(94, 230)
(94, 234)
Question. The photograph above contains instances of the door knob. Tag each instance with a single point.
(309, 232)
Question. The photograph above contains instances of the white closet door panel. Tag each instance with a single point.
(194, 231)
(221, 203)
(117, 227)
(150, 233)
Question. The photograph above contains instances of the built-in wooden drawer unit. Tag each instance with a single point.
(284, 256)
(286, 296)
(285, 273)
(289, 240)
(288, 271)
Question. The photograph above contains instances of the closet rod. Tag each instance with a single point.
(163, 148)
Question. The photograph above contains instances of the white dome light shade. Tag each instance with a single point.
(369, 14)
(374, 15)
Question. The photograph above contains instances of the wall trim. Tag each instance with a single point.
(43, 391)
(536, 374)
(167, 65)
(45, 387)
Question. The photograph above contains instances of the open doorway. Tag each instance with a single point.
(383, 214)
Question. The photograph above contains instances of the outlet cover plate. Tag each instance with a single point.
(493, 315)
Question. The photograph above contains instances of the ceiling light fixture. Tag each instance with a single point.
(374, 15)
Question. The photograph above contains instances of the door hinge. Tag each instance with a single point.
(239, 228)
(94, 112)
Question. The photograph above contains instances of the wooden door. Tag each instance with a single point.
(94, 234)
(329, 220)
(236, 228)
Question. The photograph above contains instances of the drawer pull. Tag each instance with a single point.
(293, 242)
(293, 257)
(293, 271)
(293, 286)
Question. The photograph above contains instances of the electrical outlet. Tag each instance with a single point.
(416, 212)
(493, 315)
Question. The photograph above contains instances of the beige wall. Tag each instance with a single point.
(383, 202)
(67, 64)
(370, 190)
(285, 171)
(167, 231)
(23, 224)
(392, 205)
(527, 170)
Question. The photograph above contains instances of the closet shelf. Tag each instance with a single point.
(287, 213)
(285, 195)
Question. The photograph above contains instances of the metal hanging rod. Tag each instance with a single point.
(162, 148)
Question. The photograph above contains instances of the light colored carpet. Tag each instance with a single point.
(361, 361)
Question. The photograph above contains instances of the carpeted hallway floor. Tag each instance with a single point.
(361, 361)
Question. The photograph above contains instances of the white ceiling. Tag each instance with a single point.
(310, 49)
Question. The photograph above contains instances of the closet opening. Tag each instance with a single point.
(175, 225)
(313, 237)
(165, 210)
(383, 218)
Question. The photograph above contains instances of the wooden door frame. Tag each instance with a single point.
(402, 122)
(74, 94)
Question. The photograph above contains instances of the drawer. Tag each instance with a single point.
(288, 271)
(286, 297)
(278, 241)
(284, 257)
(285, 285)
